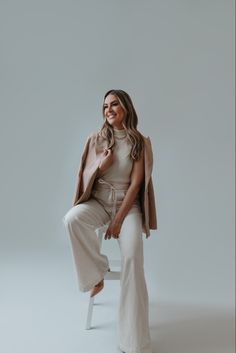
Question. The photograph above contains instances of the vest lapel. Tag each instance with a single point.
(100, 144)
(148, 160)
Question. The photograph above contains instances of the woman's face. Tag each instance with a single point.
(113, 111)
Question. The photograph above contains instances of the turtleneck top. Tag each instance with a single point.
(116, 179)
(119, 171)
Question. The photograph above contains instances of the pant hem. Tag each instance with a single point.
(138, 350)
(89, 286)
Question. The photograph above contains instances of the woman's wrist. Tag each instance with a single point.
(118, 221)
(100, 171)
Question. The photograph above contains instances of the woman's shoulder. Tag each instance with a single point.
(96, 135)
(145, 138)
(95, 138)
(93, 135)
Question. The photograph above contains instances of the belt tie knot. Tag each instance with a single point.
(113, 194)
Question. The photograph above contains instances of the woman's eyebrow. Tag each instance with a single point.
(111, 102)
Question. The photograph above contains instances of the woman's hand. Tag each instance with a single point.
(113, 230)
(106, 160)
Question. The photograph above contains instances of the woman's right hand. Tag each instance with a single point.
(106, 160)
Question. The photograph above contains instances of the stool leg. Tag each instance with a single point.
(90, 313)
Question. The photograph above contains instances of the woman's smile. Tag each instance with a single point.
(113, 111)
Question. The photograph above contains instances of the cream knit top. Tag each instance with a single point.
(120, 170)
(111, 186)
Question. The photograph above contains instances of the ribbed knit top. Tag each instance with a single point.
(119, 171)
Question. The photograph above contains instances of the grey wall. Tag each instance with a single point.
(176, 60)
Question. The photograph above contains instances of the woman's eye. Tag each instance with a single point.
(112, 104)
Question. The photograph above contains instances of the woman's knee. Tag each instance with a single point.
(67, 218)
(73, 215)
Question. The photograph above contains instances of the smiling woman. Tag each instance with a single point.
(114, 112)
(114, 187)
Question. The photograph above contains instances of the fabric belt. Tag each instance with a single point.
(113, 189)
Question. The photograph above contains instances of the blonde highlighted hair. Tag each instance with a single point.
(129, 123)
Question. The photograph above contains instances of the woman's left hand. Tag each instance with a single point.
(113, 230)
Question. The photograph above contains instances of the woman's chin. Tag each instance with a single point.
(112, 123)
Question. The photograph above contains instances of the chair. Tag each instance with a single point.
(111, 275)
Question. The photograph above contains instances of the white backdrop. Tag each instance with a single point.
(176, 60)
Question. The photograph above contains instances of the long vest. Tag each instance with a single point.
(89, 164)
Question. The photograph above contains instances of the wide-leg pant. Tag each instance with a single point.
(81, 221)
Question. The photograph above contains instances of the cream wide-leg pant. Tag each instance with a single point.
(81, 221)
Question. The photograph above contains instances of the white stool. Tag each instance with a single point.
(111, 275)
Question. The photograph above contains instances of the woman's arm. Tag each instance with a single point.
(137, 177)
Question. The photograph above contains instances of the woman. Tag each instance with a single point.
(114, 188)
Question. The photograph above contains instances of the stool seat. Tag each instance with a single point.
(110, 275)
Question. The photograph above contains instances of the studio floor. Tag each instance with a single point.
(42, 311)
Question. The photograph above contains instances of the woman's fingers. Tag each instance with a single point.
(107, 152)
(109, 236)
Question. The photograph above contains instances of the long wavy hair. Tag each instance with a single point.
(129, 123)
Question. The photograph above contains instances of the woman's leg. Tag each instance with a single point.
(81, 221)
(133, 323)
